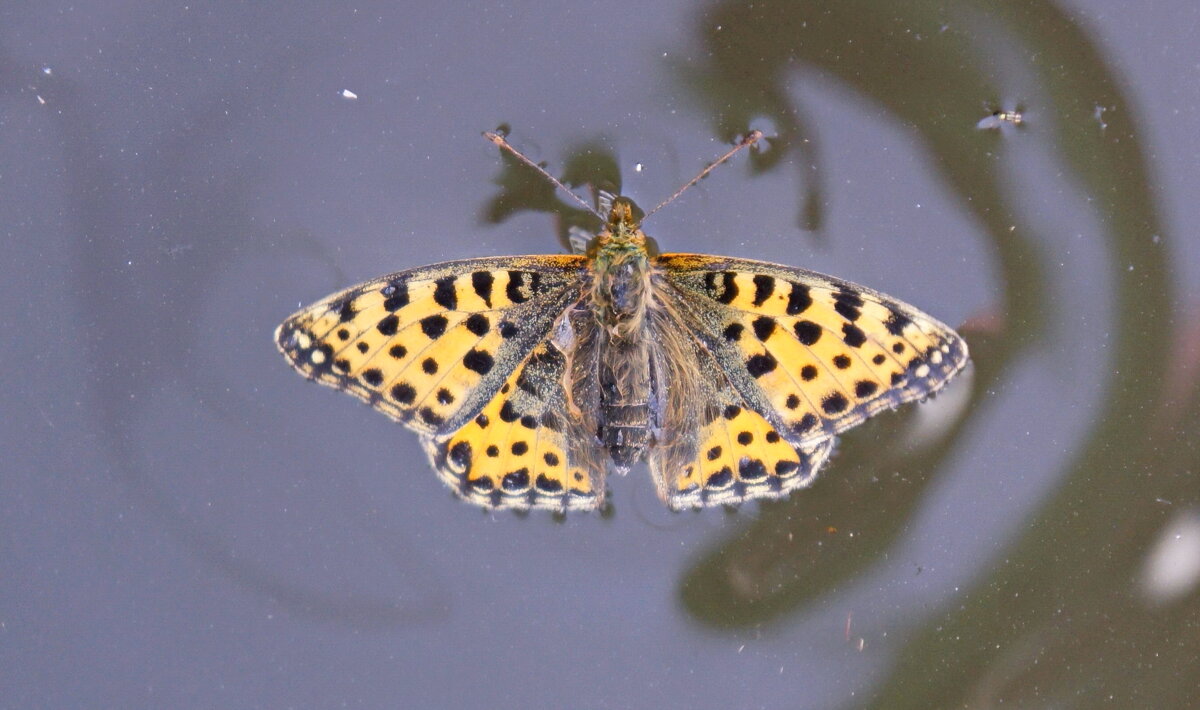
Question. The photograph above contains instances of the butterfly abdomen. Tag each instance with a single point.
(625, 417)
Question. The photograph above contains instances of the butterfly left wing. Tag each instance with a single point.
(439, 348)
(713, 447)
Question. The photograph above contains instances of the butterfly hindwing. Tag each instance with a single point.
(819, 354)
(523, 449)
(719, 450)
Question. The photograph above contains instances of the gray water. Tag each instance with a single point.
(184, 522)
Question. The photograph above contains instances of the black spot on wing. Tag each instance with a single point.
(798, 300)
(763, 327)
(760, 364)
(508, 413)
(460, 455)
(733, 332)
(764, 286)
(807, 332)
(482, 282)
(403, 393)
(848, 303)
(548, 485)
(522, 285)
(834, 403)
(444, 293)
(751, 469)
(784, 469)
(478, 361)
(346, 311)
(434, 326)
(896, 322)
(388, 325)
(516, 481)
(395, 295)
(721, 286)
(478, 324)
(853, 335)
(721, 478)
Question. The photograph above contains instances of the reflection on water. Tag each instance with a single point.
(1059, 615)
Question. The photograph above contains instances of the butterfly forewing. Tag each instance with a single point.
(814, 354)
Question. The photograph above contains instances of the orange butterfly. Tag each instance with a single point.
(528, 377)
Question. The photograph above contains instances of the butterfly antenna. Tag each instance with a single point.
(503, 144)
(751, 138)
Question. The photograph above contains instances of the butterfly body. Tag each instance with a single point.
(529, 378)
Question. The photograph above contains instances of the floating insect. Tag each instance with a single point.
(998, 118)
(528, 378)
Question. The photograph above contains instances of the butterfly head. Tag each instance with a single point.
(622, 237)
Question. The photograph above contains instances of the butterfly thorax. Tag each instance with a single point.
(620, 262)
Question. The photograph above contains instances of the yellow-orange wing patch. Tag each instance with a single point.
(818, 354)
(524, 449)
(739, 456)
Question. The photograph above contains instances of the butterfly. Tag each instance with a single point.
(529, 378)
